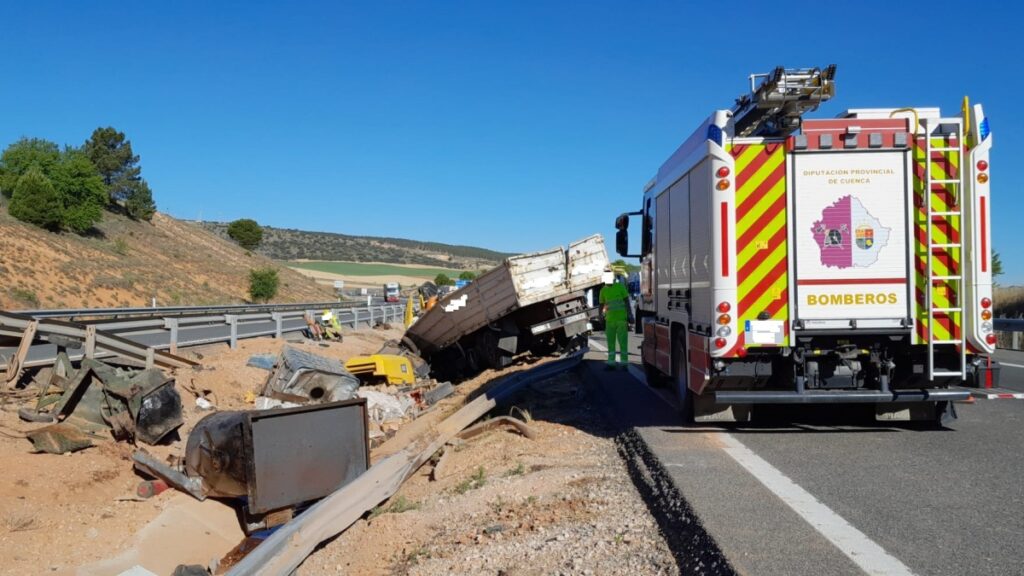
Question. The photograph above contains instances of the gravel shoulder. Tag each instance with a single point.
(561, 503)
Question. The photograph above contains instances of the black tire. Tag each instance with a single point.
(654, 377)
(681, 380)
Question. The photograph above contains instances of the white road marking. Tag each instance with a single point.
(597, 345)
(853, 543)
(864, 552)
(1011, 365)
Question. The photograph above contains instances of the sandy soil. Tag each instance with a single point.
(59, 512)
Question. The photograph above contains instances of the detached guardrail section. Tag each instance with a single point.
(171, 331)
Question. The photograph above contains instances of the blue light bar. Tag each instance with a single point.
(983, 128)
(715, 134)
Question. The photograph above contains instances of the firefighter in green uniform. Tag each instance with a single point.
(614, 300)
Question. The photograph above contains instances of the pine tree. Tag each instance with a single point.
(118, 165)
(36, 201)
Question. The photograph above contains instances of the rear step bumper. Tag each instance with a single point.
(838, 396)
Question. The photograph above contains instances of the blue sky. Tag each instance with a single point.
(509, 125)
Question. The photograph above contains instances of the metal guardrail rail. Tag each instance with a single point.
(1009, 333)
(181, 329)
(165, 311)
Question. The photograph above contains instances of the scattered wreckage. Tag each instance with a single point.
(300, 461)
(132, 405)
(309, 435)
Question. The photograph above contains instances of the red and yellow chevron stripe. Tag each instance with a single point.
(762, 277)
(945, 230)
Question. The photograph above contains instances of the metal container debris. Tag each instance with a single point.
(274, 459)
(302, 377)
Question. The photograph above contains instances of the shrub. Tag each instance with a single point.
(263, 283)
(246, 232)
(36, 201)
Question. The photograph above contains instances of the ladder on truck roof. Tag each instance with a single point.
(950, 132)
(774, 108)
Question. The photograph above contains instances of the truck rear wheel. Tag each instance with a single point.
(654, 377)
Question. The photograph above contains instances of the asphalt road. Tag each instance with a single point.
(840, 494)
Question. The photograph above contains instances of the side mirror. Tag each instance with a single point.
(622, 242)
(622, 223)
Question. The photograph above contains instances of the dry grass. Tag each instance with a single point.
(1009, 301)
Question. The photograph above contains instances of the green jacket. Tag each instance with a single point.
(616, 297)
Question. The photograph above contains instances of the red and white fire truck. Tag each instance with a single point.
(790, 260)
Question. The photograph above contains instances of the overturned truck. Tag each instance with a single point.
(529, 303)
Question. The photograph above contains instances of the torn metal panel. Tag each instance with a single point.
(59, 438)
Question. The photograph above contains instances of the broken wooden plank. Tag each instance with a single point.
(15, 365)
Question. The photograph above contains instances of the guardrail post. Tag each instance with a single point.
(90, 341)
(277, 324)
(232, 321)
(150, 357)
(1016, 340)
(172, 325)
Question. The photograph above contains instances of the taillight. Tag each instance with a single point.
(986, 314)
(724, 319)
(982, 178)
(724, 171)
(724, 184)
(724, 307)
(720, 342)
(986, 303)
(991, 339)
(982, 165)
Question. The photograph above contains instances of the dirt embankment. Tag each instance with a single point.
(128, 263)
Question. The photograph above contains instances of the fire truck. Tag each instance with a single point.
(795, 261)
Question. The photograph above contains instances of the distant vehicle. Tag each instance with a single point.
(461, 283)
(789, 260)
(391, 292)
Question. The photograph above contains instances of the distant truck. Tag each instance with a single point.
(530, 303)
(391, 292)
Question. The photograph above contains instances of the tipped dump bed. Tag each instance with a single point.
(518, 282)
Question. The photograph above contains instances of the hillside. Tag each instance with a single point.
(127, 263)
(287, 244)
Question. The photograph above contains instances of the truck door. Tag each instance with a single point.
(851, 221)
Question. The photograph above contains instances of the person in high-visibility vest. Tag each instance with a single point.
(614, 300)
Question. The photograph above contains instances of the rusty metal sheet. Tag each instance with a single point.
(302, 454)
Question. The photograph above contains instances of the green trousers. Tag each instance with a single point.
(617, 333)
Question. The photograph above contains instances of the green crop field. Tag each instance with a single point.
(362, 269)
